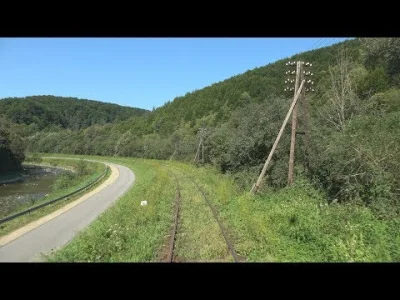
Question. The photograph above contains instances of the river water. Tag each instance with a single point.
(35, 183)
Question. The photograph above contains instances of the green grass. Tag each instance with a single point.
(291, 225)
(128, 231)
(63, 185)
(296, 225)
(199, 237)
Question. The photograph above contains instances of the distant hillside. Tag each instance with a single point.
(253, 86)
(72, 113)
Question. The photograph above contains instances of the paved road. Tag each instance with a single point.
(58, 231)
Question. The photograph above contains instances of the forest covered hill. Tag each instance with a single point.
(23, 117)
(52, 111)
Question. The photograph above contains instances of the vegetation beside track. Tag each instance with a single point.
(293, 224)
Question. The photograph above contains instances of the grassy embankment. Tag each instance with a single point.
(292, 225)
(84, 173)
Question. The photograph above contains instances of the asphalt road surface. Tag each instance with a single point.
(60, 230)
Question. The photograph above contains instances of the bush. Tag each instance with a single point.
(82, 168)
(34, 157)
(374, 82)
(361, 163)
(64, 181)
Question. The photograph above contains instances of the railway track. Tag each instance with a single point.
(175, 228)
(170, 258)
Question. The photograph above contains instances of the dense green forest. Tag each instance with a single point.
(50, 111)
(11, 147)
(355, 118)
(23, 118)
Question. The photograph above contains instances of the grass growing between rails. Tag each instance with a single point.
(84, 173)
(294, 224)
(199, 237)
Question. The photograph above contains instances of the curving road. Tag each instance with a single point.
(57, 230)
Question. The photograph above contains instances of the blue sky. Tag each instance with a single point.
(137, 72)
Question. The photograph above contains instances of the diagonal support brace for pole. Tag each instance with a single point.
(256, 186)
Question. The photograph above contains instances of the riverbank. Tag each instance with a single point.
(50, 165)
(83, 175)
(15, 177)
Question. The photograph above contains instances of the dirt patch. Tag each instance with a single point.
(169, 240)
(163, 254)
(241, 258)
(178, 259)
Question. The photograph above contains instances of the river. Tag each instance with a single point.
(35, 182)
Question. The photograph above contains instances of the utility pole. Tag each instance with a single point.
(201, 132)
(256, 186)
(202, 147)
(197, 153)
(306, 116)
(300, 75)
(176, 147)
(301, 86)
(294, 124)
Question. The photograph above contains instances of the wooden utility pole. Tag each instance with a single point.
(256, 186)
(300, 75)
(299, 93)
(201, 146)
(197, 153)
(306, 137)
(306, 117)
(294, 123)
(173, 153)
